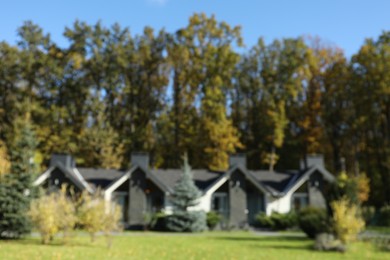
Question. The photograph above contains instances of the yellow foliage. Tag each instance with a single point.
(222, 140)
(5, 164)
(363, 187)
(51, 214)
(346, 221)
(95, 215)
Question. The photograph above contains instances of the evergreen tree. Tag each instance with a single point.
(186, 195)
(16, 188)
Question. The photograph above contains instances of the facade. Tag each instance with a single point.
(238, 194)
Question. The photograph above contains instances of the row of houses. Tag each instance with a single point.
(237, 193)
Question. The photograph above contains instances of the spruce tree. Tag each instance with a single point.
(184, 196)
(16, 187)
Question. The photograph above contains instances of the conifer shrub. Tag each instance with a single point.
(313, 221)
(185, 195)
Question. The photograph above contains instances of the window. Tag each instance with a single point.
(121, 198)
(220, 204)
(299, 201)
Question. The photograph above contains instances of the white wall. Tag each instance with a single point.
(280, 205)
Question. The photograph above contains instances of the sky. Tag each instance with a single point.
(343, 23)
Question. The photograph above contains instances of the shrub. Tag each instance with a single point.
(158, 221)
(53, 213)
(213, 218)
(264, 221)
(384, 216)
(283, 221)
(313, 221)
(43, 215)
(96, 216)
(277, 221)
(346, 222)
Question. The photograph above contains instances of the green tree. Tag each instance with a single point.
(185, 195)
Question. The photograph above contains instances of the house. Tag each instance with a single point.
(238, 194)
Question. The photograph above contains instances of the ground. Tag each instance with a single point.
(212, 245)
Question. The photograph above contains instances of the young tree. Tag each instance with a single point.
(346, 221)
(53, 213)
(95, 215)
(186, 195)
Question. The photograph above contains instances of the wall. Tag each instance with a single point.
(237, 200)
(137, 199)
(281, 205)
(315, 188)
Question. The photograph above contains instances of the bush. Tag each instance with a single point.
(212, 219)
(384, 216)
(346, 222)
(95, 216)
(51, 214)
(158, 222)
(264, 221)
(283, 221)
(313, 221)
(277, 221)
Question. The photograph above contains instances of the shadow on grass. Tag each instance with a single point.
(38, 242)
(277, 242)
(263, 238)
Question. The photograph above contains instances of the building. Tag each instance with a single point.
(238, 194)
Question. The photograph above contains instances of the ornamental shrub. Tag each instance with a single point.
(277, 221)
(185, 195)
(346, 221)
(313, 221)
(213, 218)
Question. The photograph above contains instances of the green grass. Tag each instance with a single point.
(381, 230)
(220, 245)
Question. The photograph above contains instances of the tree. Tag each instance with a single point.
(202, 59)
(16, 188)
(53, 213)
(4, 159)
(184, 196)
(95, 215)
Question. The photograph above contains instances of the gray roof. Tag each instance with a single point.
(100, 177)
(202, 178)
(275, 181)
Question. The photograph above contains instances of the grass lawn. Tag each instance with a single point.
(381, 230)
(219, 245)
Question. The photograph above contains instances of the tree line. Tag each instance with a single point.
(198, 91)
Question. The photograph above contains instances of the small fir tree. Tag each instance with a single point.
(186, 195)
(16, 187)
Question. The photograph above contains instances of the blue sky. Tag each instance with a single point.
(345, 23)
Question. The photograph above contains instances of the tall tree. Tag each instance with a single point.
(203, 61)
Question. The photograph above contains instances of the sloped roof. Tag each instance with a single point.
(275, 181)
(100, 177)
(202, 178)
